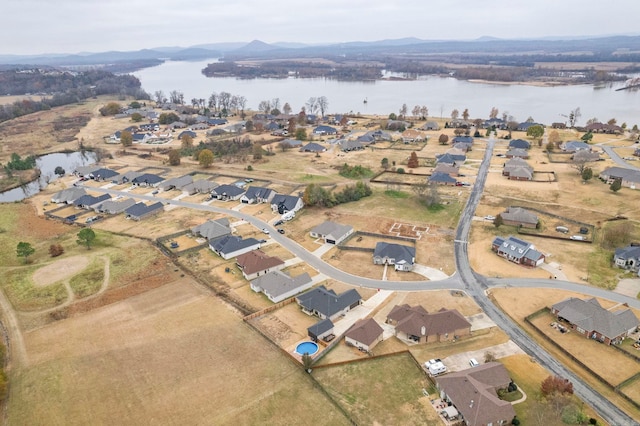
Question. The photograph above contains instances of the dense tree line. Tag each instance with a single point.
(282, 69)
(236, 147)
(63, 88)
(316, 195)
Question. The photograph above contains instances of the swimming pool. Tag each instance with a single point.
(309, 348)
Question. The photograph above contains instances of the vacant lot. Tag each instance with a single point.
(172, 351)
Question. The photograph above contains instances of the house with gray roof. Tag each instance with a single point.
(125, 177)
(401, 257)
(87, 201)
(227, 192)
(282, 203)
(231, 246)
(517, 251)
(83, 171)
(451, 159)
(517, 169)
(258, 195)
(325, 303)
(584, 156)
(629, 178)
(590, 319)
(114, 206)
(68, 195)
(325, 130)
(415, 324)
(350, 145)
(278, 285)
(574, 146)
(147, 179)
(313, 147)
(519, 144)
(102, 173)
(213, 229)
(517, 152)
(430, 125)
(141, 210)
(331, 232)
(364, 334)
(466, 140)
(322, 330)
(441, 178)
(447, 169)
(176, 183)
(517, 216)
(200, 186)
(473, 393)
(628, 258)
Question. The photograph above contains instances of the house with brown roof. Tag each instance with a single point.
(517, 169)
(415, 324)
(447, 169)
(364, 334)
(590, 319)
(412, 135)
(517, 216)
(474, 394)
(256, 263)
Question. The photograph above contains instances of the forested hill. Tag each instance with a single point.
(58, 87)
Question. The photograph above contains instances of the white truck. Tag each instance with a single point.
(288, 215)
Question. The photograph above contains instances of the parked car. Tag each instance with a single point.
(577, 238)
(584, 230)
(155, 192)
(280, 230)
(489, 217)
(278, 222)
(473, 362)
(265, 231)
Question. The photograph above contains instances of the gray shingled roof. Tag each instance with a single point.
(213, 229)
(518, 214)
(231, 243)
(228, 190)
(590, 316)
(397, 252)
(517, 248)
(277, 283)
(320, 327)
(255, 192)
(326, 301)
(332, 230)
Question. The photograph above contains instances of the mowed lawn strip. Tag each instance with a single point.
(171, 355)
(380, 391)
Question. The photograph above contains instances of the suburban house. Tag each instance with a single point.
(351, 145)
(604, 128)
(402, 257)
(313, 147)
(176, 183)
(517, 251)
(519, 143)
(517, 169)
(189, 133)
(463, 141)
(415, 324)
(412, 135)
(322, 330)
(628, 177)
(102, 174)
(451, 159)
(430, 125)
(147, 179)
(517, 216)
(213, 229)
(88, 201)
(574, 146)
(257, 195)
(278, 285)
(584, 156)
(113, 206)
(83, 171)
(291, 143)
(590, 319)
(517, 152)
(331, 232)
(474, 394)
(325, 130)
(441, 178)
(231, 246)
(200, 186)
(558, 125)
(125, 177)
(68, 195)
(327, 304)
(628, 258)
(139, 211)
(524, 126)
(364, 334)
(227, 192)
(447, 169)
(496, 122)
(256, 263)
(283, 203)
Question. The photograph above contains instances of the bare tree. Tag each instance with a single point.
(424, 111)
(574, 115)
(455, 114)
(264, 106)
(494, 113)
(159, 96)
(242, 105)
(225, 101)
(465, 114)
(403, 110)
(415, 111)
(323, 104)
(213, 101)
(176, 97)
(286, 108)
(312, 105)
(275, 103)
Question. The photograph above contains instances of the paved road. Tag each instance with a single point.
(617, 159)
(476, 285)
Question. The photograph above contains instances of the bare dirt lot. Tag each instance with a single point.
(59, 270)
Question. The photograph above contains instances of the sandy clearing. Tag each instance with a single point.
(59, 270)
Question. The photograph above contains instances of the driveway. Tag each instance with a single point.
(460, 361)
(428, 272)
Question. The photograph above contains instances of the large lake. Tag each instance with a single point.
(440, 95)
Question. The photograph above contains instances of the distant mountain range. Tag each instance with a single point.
(284, 50)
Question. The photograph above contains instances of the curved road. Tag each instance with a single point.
(465, 279)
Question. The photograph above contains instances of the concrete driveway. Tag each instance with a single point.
(428, 272)
(460, 361)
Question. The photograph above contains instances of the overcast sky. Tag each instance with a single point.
(72, 26)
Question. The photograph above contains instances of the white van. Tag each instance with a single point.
(473, 362)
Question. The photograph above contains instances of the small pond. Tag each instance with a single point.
(47, 164)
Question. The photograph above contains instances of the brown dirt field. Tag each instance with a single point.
(632, 390)
(285, 326)
(168, 346)
(37, 227)
(59, 270)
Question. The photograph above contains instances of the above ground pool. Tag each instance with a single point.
(306, 348)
